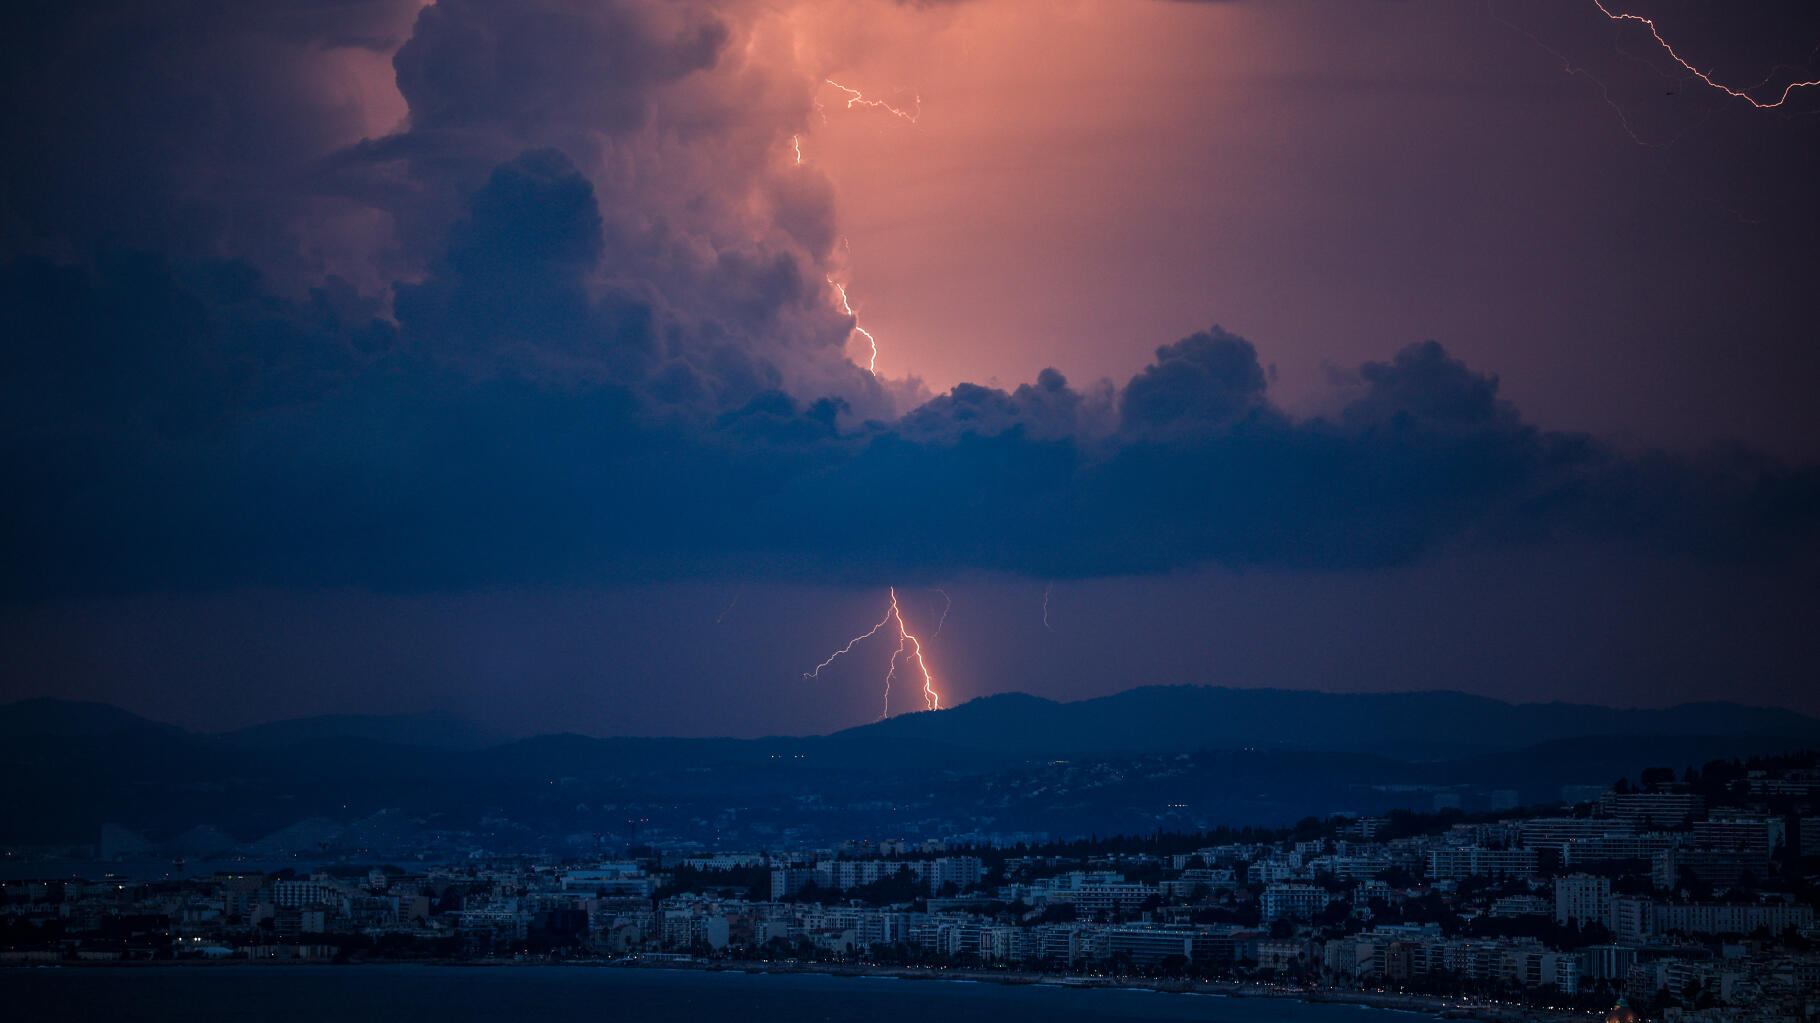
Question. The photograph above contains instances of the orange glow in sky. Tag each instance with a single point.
(983, 226)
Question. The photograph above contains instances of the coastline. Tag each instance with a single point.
(1440, 1006)
(1434, 1006)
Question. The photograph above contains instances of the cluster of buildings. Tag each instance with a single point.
(1692, 896)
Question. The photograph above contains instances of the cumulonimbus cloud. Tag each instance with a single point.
(605, 350)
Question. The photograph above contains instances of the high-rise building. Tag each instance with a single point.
(1582, 899)
(1300, 901)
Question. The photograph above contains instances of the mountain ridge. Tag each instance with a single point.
(1009, 762)
(1428, 723)
(1425, 724)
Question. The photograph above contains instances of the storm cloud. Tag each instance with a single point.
(569, 321)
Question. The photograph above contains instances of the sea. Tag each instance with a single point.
(460, 994)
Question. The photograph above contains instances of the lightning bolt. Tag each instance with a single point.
(857, 98)
(891, 671)
(909, 646)
(1047, 590)
(1574, 70)
(945, 609)
(871, 363)
(1701, 75)
(909, 649)
(836, 655)
(930, 697)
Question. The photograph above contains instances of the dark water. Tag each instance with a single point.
(454, 994)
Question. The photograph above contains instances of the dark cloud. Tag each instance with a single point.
(1048, 409)
(1423, 383)
(187, 126)
(1206, 380)
(480, 65)
(511, 288)
(226, 454)
(486, 80)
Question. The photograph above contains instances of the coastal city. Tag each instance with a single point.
(1680, 894)
(910, 511)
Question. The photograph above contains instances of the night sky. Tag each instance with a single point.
(493, 355)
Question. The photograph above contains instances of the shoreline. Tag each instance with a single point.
(1436, 1006)
(1441, 1006)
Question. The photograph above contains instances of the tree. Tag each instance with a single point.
(1333, 914)
(1172, 966)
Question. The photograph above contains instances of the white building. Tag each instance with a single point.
(1298, 901)
(1582, 899)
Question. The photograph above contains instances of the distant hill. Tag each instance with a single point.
(1424, 725)
(437, 729)
(1539, 771)
(1182, 757)
(1411, 726)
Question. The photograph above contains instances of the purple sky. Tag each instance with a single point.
(382, 357)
